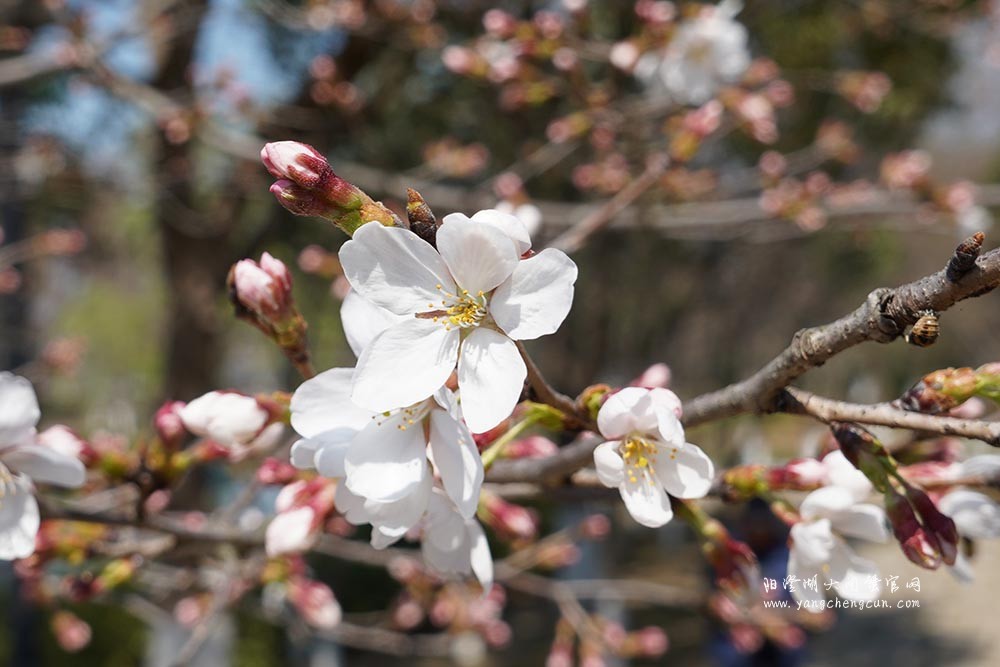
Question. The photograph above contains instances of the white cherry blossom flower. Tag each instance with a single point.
(704, 54)
(819, 548)
(646, 455)
(464, 304)
(453, 544)
(23, 459)
(384, 457)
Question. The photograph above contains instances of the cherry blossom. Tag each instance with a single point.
(705, 53)
(819, 548)
(464, 304)
(646, 455)
(383, 456)
(24, 459)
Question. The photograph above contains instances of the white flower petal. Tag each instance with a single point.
(324, 404)
(976, 515)
(405, 364)
(363, 321)
(841, 472)
(457, 460)
(825, 502)
(985, 465)
(863, 520)
(689, 473)
(536, 298)
(290, 532)
(396, 518)
(386, 462)
(224, 416)
(479, 554)
(626, 411)
(646, 501)
(803, 570)
(330, 456)
(303, 454)
(609, 464)
(19, 520)
(511, 225)
(395, 269)
(490, 378)
(857, 578)
(812, 542)
(19, 411)
(962, 569)
(479, 256)
(382, 538)
(444, 544)
(43, 464)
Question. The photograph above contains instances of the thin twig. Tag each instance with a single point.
(797, 401)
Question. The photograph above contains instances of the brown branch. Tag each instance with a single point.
(882, 319)
(797, 401)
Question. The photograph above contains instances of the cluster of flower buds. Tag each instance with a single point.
(927, 536)
(946, 389)
(865, 90)
(307, 185)
(749, 627)
(736, 568)
(693, 128)
(261, 293)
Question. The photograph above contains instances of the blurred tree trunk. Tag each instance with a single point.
(195, 254)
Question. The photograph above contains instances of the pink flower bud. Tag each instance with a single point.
(657, 375)
(72, 633)
(532, 447)
(264, 288)
(652, 642)
(918, 545)
(315, 602)
(300, 163)
(507, 519)
(169, 425)
(273, 471)
(65, 441)
(595, 527)
(942, 527)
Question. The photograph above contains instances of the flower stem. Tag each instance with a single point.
(496, 448)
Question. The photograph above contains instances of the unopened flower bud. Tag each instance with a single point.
(532, 447)
(65, 441)
(940, 391)
(307, 185)
(941, 526)
(275, 471)
(657, 375)
(315, 602)
(918, 545)
(71, 632)
(507, 519)
(264, 288)
(169, 425)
